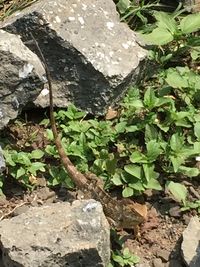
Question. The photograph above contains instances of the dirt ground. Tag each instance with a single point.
(159, 238)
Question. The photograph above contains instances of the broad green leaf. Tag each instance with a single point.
(197, 130)
(116, 179)
(111, 165)
(179, 191)
(150, 100)
(190, 172)
(195, 52)
(132, 128)
(153, 150)
(137, 186)
(165, 21)
(20, 172)
(121, 126)
(8, 158)
(123, 5)
(150, 132)
(137, 104)
(49, 134)
(37, 154)
(138, 157)
(176, 162)
(158, 36)
(36, 166)
(153, 184)
(134, 170)
(149, 172)
(127, 192)
(176, 79)
(190, 23)
(176, 142)
(23, 158)
(197, 147)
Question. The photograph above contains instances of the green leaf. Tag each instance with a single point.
(190, 23)
(158, 36)
(123, 5)
(176, 78)
(179, 191)
(36, 166)
(176, 142)
(176, 162)
(165, 21)
(127, 192)
(150, 100)
(132, 128)
(134, 170)
(190, 172)
(23, 158)
(153, 184)
(150, 133)
(137, 186)
(153, 150)
(149, 172)
(37, 154)
(138, 157)
(116, 179)
(111, 165)
(121, 127)
(197, 130)
(49, 135)
(20, 172)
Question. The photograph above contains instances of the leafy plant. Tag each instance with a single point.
(124, 258)
(23, 165)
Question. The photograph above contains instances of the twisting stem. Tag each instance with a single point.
(79, 179)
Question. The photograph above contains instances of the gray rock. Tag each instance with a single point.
(2, 161)
(191, 243)
(157, 263)
(163, 254)
(192, 5)
(57, 235)
(91, 55)
(21, 76)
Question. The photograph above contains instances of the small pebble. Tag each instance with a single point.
(175, 212)
(163, 254)
(157, 263)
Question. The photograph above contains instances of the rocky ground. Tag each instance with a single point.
(159, 242)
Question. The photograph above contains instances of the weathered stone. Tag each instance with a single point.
(191, 243)
(21, 76)
(91, 55)
(192, 5)
(57, 235)
(2, 161)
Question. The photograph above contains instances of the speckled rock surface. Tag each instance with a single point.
(191, 243)
(92, 56)
(57, 235)
(21, 76)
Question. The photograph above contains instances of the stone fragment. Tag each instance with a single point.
(157, 263)
(21, 77)
(163, 254)
(192, 5)
(93, 57)
(57, 235)
(191, 243)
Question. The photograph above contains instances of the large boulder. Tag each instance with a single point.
(91, 55)
(21, 76)
(57, 235)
